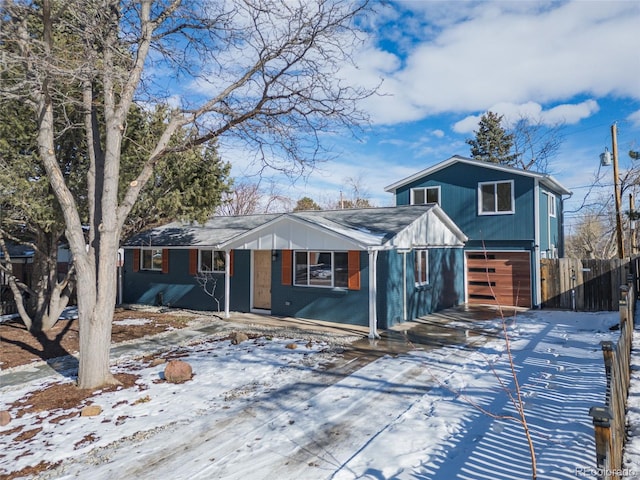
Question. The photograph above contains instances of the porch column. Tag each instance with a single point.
(227, 277)
(373, 295)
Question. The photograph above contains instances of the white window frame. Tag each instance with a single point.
(551, 204)
(424, 189)
(213, 253)
(309, 275)
(151, 267)
(421, 275)
(495, 211)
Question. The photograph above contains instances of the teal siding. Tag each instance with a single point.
(543, 219)
(179, 289)
(445, 288)
(330, 304)
(459, 199)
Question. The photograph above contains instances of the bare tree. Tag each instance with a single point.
(267, 72)
(353, 195)
(247, 198)
(535, 143)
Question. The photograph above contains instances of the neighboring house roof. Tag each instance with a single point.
(319, 229)
(18, 251)
(545, 179)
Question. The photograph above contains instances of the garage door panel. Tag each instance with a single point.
(501, 278)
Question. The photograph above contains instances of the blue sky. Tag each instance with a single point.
(444, 63)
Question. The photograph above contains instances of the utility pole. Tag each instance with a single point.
(616, 187)
(632, 225)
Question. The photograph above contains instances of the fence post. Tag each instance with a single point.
(607, 353)
(602, 425)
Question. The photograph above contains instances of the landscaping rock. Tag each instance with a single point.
(177, 371)
(157, 361)
(5, 418)
(238, 337)
(91, 411)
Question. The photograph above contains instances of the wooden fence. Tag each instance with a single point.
(584, 285)
(609, 420)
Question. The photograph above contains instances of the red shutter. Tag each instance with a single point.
(193, 261)
(287, 257)
(136, 259)
(353, 264)
(231, 263)
(165, 260)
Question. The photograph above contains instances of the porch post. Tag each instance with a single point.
(227, 277)
(373, 274)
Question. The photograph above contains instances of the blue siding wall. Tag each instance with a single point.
(445, 288)
(179, 289)
(459, 199)
(330, 304)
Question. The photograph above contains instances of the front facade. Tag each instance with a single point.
(512, 218)
(372, 267)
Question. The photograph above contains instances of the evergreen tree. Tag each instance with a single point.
(306, 203)
(492, 143)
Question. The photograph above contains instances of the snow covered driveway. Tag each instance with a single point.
(262, 410)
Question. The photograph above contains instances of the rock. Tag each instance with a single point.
(5, 418)
(91, 411)
(238, 337)
(177, 371)
(291, 346)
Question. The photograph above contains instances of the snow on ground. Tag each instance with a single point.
(631, 460)
(261, 410)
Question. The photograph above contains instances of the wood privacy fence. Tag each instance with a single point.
(609, 420)
(585, 285)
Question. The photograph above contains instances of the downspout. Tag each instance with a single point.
(227, 286)
(404, 286)
(536, 244)
(373, 295)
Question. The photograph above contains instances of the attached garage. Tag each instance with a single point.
(499, 278)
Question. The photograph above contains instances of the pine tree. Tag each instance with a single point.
(492, 143)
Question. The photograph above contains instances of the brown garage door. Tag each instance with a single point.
(499, 278)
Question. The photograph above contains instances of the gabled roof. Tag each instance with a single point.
(545, 179)
(321, 229)
(365, 228)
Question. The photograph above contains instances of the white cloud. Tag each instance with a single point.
(566, 114)
(512, 52)
(634, 118)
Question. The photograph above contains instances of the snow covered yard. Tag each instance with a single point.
(262, 410)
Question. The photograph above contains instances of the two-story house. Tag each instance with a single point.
(512, 219)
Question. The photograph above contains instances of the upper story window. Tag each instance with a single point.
(421, 196)
(151, 259)
(211, 261)
(421, 269)
(495, 198)
(321, 269)
(552, 204)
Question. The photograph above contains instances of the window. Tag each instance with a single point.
(151, 259)
(321, 269)
(495, 198)
(211, 261)
(422, 267)
(421, 196)
(551, 201)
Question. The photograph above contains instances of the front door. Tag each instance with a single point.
(262, 279)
